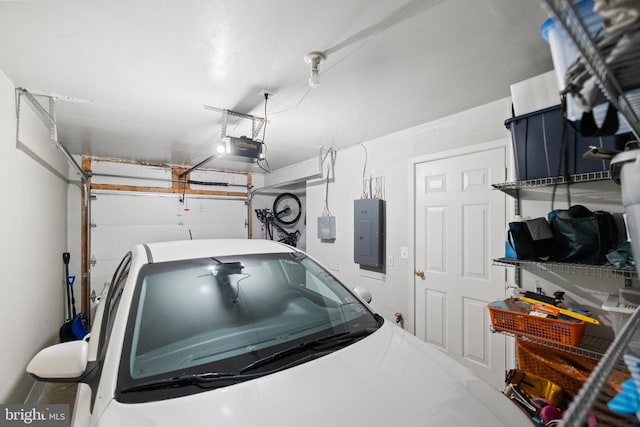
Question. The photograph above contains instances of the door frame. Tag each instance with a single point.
(504, 143)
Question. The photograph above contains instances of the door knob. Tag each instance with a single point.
(420, 274)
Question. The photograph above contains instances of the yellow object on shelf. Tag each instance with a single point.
(564, 311)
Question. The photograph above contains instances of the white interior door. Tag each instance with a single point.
(459, 227)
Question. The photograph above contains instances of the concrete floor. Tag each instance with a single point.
(58, 393)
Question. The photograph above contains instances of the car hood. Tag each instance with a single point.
(388, 378)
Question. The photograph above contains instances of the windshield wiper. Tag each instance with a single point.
(200, 380)
(321, 345)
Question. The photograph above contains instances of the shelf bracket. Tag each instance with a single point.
(256, 122)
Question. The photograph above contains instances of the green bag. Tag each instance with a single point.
(582, 235)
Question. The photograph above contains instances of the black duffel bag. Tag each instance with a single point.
(582, 235)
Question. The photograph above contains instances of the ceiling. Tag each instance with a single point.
(131, 77)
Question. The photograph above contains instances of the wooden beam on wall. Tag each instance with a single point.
(172, 190)
(249, 210)
(178, 186)
(84, 245)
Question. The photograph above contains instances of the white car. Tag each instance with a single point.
(255, 333)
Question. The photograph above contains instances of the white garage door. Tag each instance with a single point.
(120, 220)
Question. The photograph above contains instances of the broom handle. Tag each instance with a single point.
(66, 256)
(70, 281)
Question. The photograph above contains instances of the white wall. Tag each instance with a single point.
(34, 236)
(389, 157)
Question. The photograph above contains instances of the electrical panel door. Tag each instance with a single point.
(368, 239)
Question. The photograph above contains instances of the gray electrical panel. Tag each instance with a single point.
(368, 228)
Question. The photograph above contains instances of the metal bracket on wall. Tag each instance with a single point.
(49, 119)
(256, 122)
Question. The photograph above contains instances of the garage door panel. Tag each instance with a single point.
(122, 220)
(128, 209)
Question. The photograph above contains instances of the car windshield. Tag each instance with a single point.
(233, 318)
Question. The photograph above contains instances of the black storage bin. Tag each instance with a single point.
(537, 139)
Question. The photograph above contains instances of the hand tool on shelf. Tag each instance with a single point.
(557, 297)
(564, 311)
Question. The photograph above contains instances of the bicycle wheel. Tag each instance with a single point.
(287, 208)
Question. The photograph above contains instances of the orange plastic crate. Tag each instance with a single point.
(554, 330)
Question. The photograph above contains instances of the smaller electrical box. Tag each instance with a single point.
(368, 239)
(326, 227)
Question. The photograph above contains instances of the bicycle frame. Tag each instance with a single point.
(269, 222)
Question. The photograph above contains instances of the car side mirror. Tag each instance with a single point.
(363, 293)
(64, 362)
